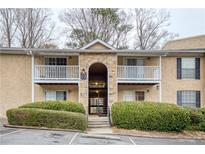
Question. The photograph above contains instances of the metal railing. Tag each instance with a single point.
(56, 72)
(138, 72)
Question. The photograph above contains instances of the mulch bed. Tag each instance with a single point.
(174, 135)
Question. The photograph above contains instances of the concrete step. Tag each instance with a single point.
(98, 122)
(98, 119)
(98, 126)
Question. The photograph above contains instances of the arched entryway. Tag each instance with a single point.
(98, 98)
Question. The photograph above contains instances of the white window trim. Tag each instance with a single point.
(134, 91)
(67, 93)
(126, 58)
(67, 58)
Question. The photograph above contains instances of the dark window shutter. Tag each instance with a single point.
(179, 98)
(198, 99)
(197, 68)
(179, 68)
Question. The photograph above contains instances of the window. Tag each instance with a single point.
(55, 95)
(139, 95)
(55, 61)
(131, 95)
(188, 68)
(188, 98)
(134, 62)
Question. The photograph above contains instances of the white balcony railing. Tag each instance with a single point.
(56, 72)
(138, 73)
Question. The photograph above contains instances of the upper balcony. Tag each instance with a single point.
(138, 70)
(56, 69)
(138, 73)
(56, 73)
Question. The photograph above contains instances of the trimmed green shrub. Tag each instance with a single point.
(149, 116)
(197, 119)
(46, 118)
(202, 110)
(57, 105)
(195, 116)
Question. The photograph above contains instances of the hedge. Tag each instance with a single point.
(149, 116)
(197, 117)
(46, 118)
(57, 105)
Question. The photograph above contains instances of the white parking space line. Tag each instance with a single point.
(132, 141)
(73, 138)
(12, 132)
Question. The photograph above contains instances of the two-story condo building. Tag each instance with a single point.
(98, 75)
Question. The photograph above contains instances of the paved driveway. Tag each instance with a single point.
(9, 136)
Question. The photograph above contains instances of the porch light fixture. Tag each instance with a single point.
(157, 87)
(83, 74)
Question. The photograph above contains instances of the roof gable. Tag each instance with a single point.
(98, 44)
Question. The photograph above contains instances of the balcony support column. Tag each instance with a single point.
(160, 78)
(32, 74)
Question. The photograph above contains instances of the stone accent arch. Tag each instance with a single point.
(110, 61)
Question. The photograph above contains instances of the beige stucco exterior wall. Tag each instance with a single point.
(170, 84)
(72, 91)
(151, 92)
(195, 42)
(110, 61)
(15, 81)
(71, 60)
(149, 61)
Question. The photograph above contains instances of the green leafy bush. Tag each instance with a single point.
(47, 118)
(202, 110)
(195, 116)
(149, 116)
(197, 119)
(57, 105)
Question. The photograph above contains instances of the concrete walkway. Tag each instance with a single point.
(105, 130)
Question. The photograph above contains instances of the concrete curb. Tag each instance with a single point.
(42, 128)
(101, 136)
(157, 137)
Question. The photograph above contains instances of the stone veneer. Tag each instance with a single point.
(110, 61)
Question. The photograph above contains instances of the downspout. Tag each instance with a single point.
(160, 84)
(32, 76)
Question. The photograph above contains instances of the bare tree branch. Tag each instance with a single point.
(150, 28)
(85, 25)
(8, 25)
(34, 27)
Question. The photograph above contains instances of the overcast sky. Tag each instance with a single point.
(185, 22)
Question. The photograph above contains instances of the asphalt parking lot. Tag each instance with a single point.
(13, 136)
